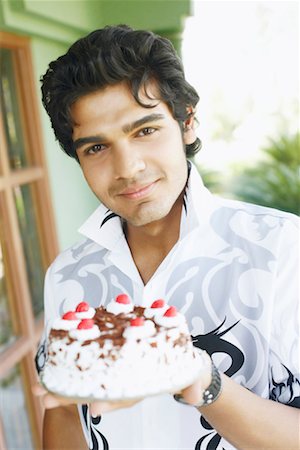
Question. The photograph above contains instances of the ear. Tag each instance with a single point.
(189, 135)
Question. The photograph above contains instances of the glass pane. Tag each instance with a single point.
(10, 111)
(6, 331)
(31, 245)
(13, 409)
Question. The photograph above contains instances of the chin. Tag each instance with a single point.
(148, 217)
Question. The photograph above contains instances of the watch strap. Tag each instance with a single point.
(213, 391)
(210, 394)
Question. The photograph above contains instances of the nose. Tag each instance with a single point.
(128, 162)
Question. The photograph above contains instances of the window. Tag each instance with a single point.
(27, 244)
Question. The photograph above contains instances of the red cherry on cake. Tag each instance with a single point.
(70, 315)
(82, 307)
(137, 322)
(158, 304)
(123, 298)
(171, 312)
(85, 324)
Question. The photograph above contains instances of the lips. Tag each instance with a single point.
(137, 192)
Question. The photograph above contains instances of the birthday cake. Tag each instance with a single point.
(120, 351)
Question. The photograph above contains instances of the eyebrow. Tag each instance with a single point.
(142, 121)
(128, 128)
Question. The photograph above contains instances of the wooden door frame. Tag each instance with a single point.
(26, 327)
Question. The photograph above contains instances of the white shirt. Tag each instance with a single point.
(232, 273)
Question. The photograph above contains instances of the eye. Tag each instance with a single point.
(96, 148)
(146, 131)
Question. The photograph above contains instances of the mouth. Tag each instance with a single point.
(138, 192)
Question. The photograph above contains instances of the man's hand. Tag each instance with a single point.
(97, 408)
(193, 394)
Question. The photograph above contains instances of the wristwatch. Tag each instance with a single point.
(210, 394)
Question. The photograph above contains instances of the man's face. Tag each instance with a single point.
(132, 157)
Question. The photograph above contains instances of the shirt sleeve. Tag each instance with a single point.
(49, 314)
(284, 379)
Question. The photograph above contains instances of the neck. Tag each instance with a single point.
(150, 244)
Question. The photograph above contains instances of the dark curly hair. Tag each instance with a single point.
(109, 56)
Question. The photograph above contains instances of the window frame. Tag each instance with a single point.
(25, 325)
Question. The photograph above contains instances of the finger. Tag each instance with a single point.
(38, 390)
(52, 401)
(98, 408)
(49, 400)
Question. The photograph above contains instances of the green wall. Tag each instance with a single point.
(53, 26)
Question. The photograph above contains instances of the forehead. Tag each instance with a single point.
(110, 111)
(116, 101)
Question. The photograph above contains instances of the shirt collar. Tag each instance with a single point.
(105, 228)
(198, 204)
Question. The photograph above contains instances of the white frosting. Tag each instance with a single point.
(118, 308)
(62, 324)
(136, 370)
(169, 322)
(152, 312)
(150, 361)
(85, 334)
(139, 332)
(89, 314)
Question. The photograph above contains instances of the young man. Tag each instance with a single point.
(120, 105)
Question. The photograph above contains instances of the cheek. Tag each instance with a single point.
(95, 176)
(170, 153)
